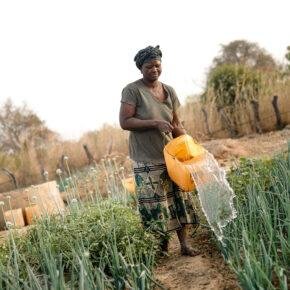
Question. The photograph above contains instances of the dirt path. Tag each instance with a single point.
(208, 271)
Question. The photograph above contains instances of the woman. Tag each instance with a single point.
(149, 111)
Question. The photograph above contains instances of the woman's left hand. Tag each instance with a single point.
(178, 129)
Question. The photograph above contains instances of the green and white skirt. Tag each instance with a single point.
(163, 206)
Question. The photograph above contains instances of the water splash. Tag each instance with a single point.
(215, 194)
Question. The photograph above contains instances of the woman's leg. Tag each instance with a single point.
(185, 248)
(164, 244)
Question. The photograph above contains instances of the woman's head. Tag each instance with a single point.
(148, 60)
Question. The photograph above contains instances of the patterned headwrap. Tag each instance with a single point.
(147, 54)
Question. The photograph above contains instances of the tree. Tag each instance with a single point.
(19, 126)
(233, 83)
(242, 52)
(229, 85)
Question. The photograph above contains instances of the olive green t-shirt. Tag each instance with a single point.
(147, 145)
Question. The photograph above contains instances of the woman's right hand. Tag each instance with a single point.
(163, 126)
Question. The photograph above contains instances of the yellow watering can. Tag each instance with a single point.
(129, 184)
(179, 153)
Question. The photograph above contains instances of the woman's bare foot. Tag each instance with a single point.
(164, 244)
(188, 251)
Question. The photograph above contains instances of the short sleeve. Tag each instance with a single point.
(128, 96)
(175, 100)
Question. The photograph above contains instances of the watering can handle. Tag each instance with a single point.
(167, 136)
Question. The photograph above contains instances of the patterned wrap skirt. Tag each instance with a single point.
(163, 206)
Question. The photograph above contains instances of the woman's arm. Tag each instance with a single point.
(178, 129)
(129, 122)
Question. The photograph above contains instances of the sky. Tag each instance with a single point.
(69, 60)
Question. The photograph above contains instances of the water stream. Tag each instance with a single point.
(215, 194)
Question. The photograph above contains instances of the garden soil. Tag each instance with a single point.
(208, 271)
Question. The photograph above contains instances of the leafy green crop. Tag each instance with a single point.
(106, 238)
(246, 175)
(257, 242)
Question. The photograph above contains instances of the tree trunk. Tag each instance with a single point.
(206, 122)
(89, 154)
(279, 123)
(257, 120)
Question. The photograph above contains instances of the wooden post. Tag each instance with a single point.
(257, 120)
(279, 123)
(206, 121)
(89, 154)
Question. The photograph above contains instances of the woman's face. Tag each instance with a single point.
(151, 70)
